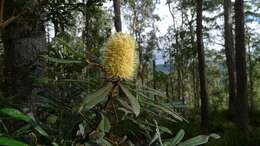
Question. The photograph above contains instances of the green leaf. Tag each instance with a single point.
(133, 101)
(155, 137)
(104, 124)
(165, 129)
(198, 140)
(125, 104)
(158, 133)
(68, 47)
(54, 144)
(62, 61)
(166, 110)
(146, 89)
(5, 141)
(104, 142)
(140, 124)
(93, 99)
(162, 128)
(41, 131)
(16, 114)
(177, 139)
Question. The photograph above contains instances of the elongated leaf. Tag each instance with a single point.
(62, 61)
(198, 140)
(104, 142)
(166, 110)
(141, 125)
(41, 131)
(177, 139)
(152, 91)
(125, 104)
(165, 129)
(133, 101)
(158, 133)
(155, 137)
(16, 114)
(93, 99)
(146, 89)
(162, 128)
(104, 124)
(68, 47)
(5, 141)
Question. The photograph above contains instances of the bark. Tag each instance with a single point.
(242, 97)
(201, 63)
(167, 91)
(154, 77)
(182, 69)
(117, 12)
(24, 40)
(250, 78)
(230, 55)
(194, 71)
(178, 68)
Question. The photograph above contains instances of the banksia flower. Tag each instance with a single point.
(119, 59)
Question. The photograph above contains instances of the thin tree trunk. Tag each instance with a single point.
(117, 17)
(182, 67)
(230, 55)
(167, 91)
(177, 65)
(250, 77)
(154, 77)
(242, 95)
(202, 74)
(194, 71)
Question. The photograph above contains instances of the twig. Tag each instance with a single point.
(8, 21)
(110, 95)
(114, 109)
(94, 64)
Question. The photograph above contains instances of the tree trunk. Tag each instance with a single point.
(194, 68)
(251, 81)
(24, 40)
(117, 17)
(177, 66)
(202, 75)
(230, 55)
(242, 97)
(154, 77)
(167, 91)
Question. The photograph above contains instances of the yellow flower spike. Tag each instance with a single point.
(119, 59)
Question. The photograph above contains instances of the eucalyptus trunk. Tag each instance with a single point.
(202, 74)
(242, 94)
(117, 17)
(24, 40)
(250, 78)
(230, 54)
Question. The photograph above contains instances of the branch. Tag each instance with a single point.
(8, 21)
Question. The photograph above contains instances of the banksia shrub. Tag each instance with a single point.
(119, 59)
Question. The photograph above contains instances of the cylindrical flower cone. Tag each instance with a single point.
(119, 59)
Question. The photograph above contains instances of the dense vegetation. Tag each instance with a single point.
(105, 73)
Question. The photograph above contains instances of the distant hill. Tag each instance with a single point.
(163, 68)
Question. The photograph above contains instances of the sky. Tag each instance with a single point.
(166, 20)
